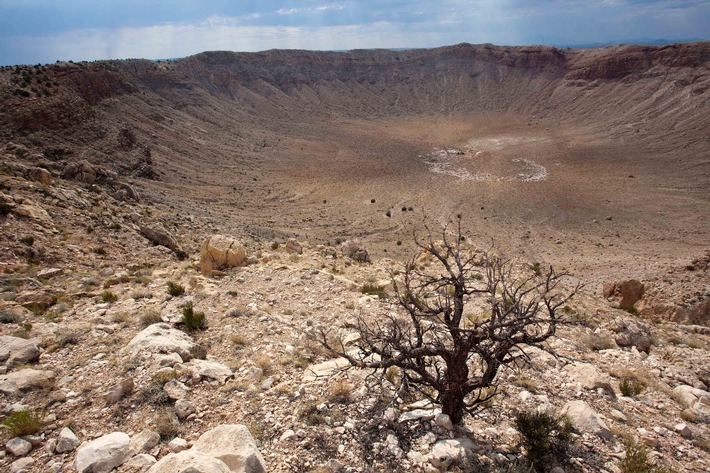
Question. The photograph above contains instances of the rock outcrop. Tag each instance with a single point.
(220, 252)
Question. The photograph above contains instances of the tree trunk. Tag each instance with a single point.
(452, 397)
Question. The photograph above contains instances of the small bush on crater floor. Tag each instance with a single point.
(150, 317)
(636, 459)
(167, 424)
(373, 290)
(631, 387)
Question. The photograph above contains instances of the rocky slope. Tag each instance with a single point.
(93, 344)
(112, 174)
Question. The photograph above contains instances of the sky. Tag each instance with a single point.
(44, 31)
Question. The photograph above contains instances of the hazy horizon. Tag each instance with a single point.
(44, 31)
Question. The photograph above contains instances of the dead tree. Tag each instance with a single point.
(451, 356)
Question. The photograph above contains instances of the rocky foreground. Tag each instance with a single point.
(100, 366)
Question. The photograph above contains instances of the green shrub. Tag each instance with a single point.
(631, 387)
(175, 289)
(28, 240)
(373, 290)
(24, 422)
(193, 320)
(543, 435)
(108, 296)
(7, 317)
(636, 459)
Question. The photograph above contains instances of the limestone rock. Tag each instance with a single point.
(49, 273)
(67, 441)
(158, 235)
(16, 351)
(294, 247)
(102, 454)
(446, 453)
(209, 369)
(39, 300)
(176, 390)
(183, 408)
(626, 293)
(586, 374)
(234, 445)
(143, 442)
(118, 391)
(25, 380)
(23, 465)
(177, 445)
(18, 446)
(585, 419)
(140, 463)
(189, 461)
(690, 397)
(631, 333)
(325, 369)
(219, 252)
(161, 338)
(81, 171)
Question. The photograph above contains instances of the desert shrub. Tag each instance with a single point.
(149, 317)
(535, 267)
(109, 297)
(597, 341)
(99, 250)
(24, 422)
(175, 289)
(373, 290)
(7, 317)
(636, 459)
(265, 363)
(239, 311)
(631, 387)
(167, 424)
(543, 435)
(238, 340)
(163, 377)
(340, 392)
(310, 415)
(28, 240)
(450, 360)
(193, 320)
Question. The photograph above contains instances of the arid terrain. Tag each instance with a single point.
(113, 173)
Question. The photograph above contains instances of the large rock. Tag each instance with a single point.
(39, 300)
(210, 369)
(626, 293)
(324, 370)
(16, 351)
(67, 441)
(585, 419)
(103, 454)
(234, 445)
(161, 338)
(219, 252)
(629, 332)
(18, 446)
(25, 380)
(158, 235)
(81, 171)
(143, 442)
(690, 397)
(23, 465)
(189, 461)
(586, 374)
(447, 452)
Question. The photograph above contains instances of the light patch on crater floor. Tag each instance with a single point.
(482, 160)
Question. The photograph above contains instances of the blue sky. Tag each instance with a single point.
(33, 31)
